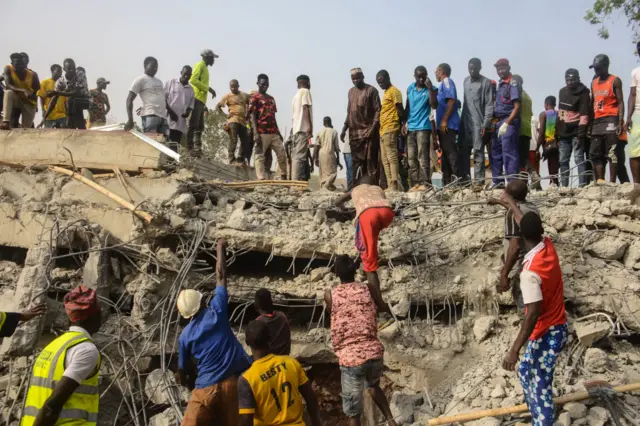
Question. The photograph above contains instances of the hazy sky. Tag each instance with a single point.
(322, 39)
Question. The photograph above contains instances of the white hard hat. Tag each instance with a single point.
(189, 302)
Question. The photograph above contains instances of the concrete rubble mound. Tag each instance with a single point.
(440, 264)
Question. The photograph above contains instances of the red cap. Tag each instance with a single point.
(81, 303)
(502, 62)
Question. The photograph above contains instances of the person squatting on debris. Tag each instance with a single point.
(505, 144)
(548, 138)
(391, 122)
(276, 321)
(363, 119)
(271, 391)
(22, 85)
(421, 98)
(475, 122)
(373, 214)
(200, 82)
(608, 118)
(326, 154)
(220, 358)
(354, 335)
(180, 102)
(544, 329)
(513, 244)
(64, 383)
(574, 109)
(266, 134)
(302, 127)
(236, 103)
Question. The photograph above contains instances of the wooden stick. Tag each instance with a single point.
(104, 175)
(475, 415)
(141, 214)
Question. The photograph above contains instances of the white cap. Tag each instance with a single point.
(208, 53)
(189, 302)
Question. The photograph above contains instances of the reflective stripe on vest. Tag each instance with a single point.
(27, 83)
(82, 406)
(3, 318)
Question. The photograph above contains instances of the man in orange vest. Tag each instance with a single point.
(22, 84)
(544, 329)
(608, 118)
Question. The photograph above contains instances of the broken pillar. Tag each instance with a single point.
(96, 274)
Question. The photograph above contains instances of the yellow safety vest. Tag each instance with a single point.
(3, 318)
(82, 406)
(27, 83)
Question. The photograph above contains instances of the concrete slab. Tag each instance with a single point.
(94, 150)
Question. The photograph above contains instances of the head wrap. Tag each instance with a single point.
(356, 71)
(81, 303)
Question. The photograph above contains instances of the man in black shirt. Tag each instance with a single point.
(276, 322)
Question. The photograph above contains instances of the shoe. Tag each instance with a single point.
(5, 125)
(497, 186)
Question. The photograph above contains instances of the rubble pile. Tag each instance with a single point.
(440, 265)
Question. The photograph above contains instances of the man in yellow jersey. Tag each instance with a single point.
(22, 84)
(271, 391)
(58, 117)
(64, 384)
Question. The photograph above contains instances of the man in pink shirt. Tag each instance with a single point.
(354, 334)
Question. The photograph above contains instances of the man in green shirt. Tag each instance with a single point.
(200, 82)
(526, 114)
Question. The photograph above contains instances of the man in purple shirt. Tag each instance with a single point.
(504, 148)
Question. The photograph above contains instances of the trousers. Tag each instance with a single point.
(418, 151)
(449, 156)
(214, 405)
(237, 132)
(368, 227)
(273, 141)
(505, 152)
(196, 125)
(299, 154)
(389, 155)
(349, 170)
(536, 373)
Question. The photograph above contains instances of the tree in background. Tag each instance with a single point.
(605, 9)
(214, 138)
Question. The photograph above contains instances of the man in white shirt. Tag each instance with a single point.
(180, 101)
(64, 383)
(154, 103)
(302, 126)
(633, 114)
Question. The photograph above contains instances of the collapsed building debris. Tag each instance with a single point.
(440, 265)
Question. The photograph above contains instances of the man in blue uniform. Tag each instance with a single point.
(504, 148)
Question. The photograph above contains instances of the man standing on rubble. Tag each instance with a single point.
(154, 102)
(363, 120)
(276, 321)
(513, 244)
(180, 102)
(302, 128)
(200, 82)
(373, 214)
(326, 154)
(220, 358)
(236, 102)
(100, 106)
(64, 382)
(544, 329)
(271, 391)
(354, 335)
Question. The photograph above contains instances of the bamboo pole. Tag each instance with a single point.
(141, 214)
(475, 415)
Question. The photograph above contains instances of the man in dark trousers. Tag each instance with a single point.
(200, 82)
(448, 119)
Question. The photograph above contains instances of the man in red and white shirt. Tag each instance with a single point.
(544, 328)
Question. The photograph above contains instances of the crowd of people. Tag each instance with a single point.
(398, 142)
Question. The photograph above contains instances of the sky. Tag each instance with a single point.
(323, 39)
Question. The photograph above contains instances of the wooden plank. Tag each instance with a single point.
(82, 148)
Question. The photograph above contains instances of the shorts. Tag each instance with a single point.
(155, 124)
(603, 148)
(354, 380)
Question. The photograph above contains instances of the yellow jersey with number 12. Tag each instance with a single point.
(269, 391)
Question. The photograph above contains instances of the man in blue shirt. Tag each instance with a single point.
(504, 148)
(421, 97)
(220, 358)
(448, 118)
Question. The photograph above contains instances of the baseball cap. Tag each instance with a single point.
(600, 60)
(502, 62)
(572, 71)
(103, 80)
(208, 53)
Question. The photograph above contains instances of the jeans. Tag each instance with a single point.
(155, 124)
(353, 381)
(59, 123)
(348, 164)
(579, 156)
(418, 151)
